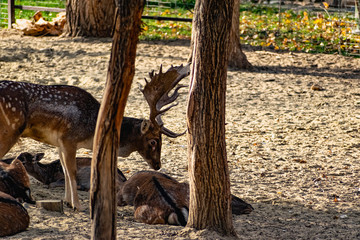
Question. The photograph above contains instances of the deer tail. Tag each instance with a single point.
(180, 213)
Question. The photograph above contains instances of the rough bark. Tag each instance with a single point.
(89, 18)
(237, 58)
(208, 168)
(107, 135)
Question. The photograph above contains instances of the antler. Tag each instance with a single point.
(156, 93)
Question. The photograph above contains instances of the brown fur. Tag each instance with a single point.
(13, 216)
(65, 117)
(152, 206)
(51, 174)
(15, 181)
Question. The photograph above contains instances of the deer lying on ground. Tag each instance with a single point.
(14, 218)
(15, 181)
(65, 117)
(160, 199)
(157, 197)
(52, 175)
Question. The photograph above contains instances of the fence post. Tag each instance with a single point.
(11, 12)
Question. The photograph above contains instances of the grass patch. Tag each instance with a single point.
(260, 26)
(166, 30)
(320, 32)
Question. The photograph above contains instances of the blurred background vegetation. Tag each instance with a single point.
(322, 27)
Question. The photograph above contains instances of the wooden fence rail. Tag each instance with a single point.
(12, 6)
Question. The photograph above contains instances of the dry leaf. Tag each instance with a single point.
(316, 87)
(39, 26)
(300, 160)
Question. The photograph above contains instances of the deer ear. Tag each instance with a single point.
(145, 125)
(38, 156)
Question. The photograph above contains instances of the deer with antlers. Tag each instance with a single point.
(65, 117)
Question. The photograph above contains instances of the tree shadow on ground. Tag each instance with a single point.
(294, 221)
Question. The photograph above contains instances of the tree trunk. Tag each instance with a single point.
(107, 135)
(208, 169)
(237, 58)
(89, 18)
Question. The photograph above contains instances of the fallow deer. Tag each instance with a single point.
(160, 199)
(157, 197)
(15, 181)
(51, 173)
(65, 117)
(14, 218)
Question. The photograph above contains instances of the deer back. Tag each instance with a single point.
(160, 199)
(131, 187)
(47, 113)
(14, 218)
(156, 197)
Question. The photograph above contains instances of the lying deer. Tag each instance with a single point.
(157, 197)
(160, 199)
(65, 117)
(14, 218)
(52, 174)
(15, 181)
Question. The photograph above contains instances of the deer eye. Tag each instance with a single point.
(153, 142)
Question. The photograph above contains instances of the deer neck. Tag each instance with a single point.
(130, 136)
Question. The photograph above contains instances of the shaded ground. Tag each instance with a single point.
(293, 152)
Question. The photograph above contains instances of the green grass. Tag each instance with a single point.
(158, 30)
(299, 31)
(259, 26)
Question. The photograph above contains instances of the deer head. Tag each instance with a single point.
(15, 181)
(156, 92)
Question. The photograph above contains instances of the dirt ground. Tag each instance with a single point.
(293, 152)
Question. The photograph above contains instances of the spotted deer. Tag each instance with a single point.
(65, 117)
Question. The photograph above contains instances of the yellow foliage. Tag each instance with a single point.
(318, 21)
(306, 17)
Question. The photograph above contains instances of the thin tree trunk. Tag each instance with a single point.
(107, 135)
(89, 18)
(208, 169)
(237, 58)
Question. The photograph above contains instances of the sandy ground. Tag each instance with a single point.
(293, 152)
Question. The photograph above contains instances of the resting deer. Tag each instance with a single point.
(14, 218)
(15, 181)
(160, 199)
(65, 117)
(52, 174)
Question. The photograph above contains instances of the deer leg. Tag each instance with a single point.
(67, 158)
(149, 215)
(8, 138)
(12, 124)
(6, 143)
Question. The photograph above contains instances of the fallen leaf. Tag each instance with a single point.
(316, 87)
(300, 160)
